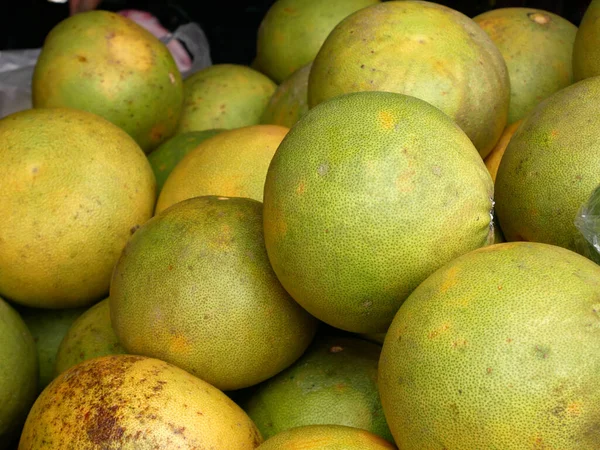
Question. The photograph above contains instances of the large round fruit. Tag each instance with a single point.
(326, 437)
(538, 49)
(586, 49)
(497, 350)
(232, 164)
(292, 32)
(550, 167)
(18, 373)
(333, 383)
(194, 288)
(290, 101)
(74, 189)
(366, 196)
(421, 49)
(107, 64)
(90, 336)
(132, 402)
(224, 96)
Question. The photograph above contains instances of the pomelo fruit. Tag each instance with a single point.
(109, 65)
(586, 49)
(421, 49)
(365, 197)
(333, 383)
(194, 287)
(134, 402)
(537, 46)
(292, 32)
(492, 161)
(232, 164)
(90, 336)
(18, 373)
(326, 437)
(48, 327)
(224, 96)
(166, 157)
(289, 102)
(74, 188)
(550, 167)
(497, 350)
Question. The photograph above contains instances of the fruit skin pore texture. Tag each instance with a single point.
(421, 49)
(367, 195)
(497, 350)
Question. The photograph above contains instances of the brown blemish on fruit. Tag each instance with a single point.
(336, 349)
(103, 427)
(157, 132)
(134, 228)
(301, 188)
(440, 330)
(81, 58)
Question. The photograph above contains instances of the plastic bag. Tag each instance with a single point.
(587, 222)
(16, 66)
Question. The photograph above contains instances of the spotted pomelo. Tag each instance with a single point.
(492, 161)
(290, 101)
(90, 336)
(18, 373)
(586, 49)
(194, 287)
(333, 383)
(164, 159)
(550, 167)
(422, 49)
(326, 437)
(537, 46)
(74, 188)
(366, 196)
(497, 350)
(48, 328)
(224, 96)
(109, 65)
(133, 402)
(292, 32)
(231, 164)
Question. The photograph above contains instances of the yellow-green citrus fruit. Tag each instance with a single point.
(90, 336)
(74, 188)
(224, 96)
(365, 197)
(292, 32)
(333, 383)
(497, 350)
(586, 49)
(18, 373)
(289, 102)
(421, 49)
(133, 402)
(107, 64)
(537, 46)
(550, 167)
(194, 287)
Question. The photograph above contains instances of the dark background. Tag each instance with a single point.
(230, 25)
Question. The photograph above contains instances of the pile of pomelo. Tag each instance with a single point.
(379, 235)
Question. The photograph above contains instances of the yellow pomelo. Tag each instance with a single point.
(18, 374)
(333, 383)
(224, 96)
(421, 49)
(550, 167)
(326, 437)
(366, 196)
(133, 402)
(194, 287)
(538, 49)
(90, 336)
(109, 65)
(292, 32)
(492, 161)
(233, 163)
(497, 350)
(586, 49)
(290, 101)
(74, 189)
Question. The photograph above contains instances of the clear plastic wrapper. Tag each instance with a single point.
(587, 222)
